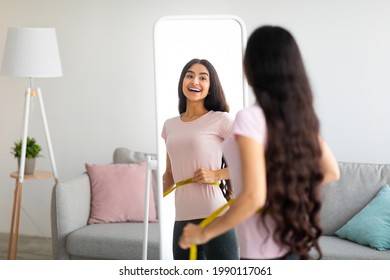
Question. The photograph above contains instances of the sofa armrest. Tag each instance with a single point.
(70, 209)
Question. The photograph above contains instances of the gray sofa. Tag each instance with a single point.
(72, 238)
(358, 184)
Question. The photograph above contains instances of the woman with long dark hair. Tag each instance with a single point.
(194, 157)
(277, 158)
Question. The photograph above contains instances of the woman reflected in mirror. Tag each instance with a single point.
(194, 158)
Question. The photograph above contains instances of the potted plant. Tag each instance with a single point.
(33, 150)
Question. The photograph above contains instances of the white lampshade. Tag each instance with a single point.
(31, 52)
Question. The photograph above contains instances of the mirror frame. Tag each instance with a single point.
(165, 208)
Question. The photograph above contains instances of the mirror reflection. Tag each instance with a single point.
(220, 41)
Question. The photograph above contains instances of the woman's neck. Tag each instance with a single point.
(193, 113)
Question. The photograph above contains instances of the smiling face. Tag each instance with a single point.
(196, 83)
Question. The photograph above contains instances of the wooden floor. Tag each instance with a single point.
(29, 248)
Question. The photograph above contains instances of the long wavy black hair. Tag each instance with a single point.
(275, 70)
(215, 101)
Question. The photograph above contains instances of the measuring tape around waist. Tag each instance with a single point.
(205, 222)
(184, 182)
(208, 220)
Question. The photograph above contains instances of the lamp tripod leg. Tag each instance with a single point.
(48, 140)
(11, 234)
(18, 205)
(24, 134)
(13, 238)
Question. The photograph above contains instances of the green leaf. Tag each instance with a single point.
(33, 149)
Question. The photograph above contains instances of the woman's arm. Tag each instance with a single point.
(168, 177)
(328, 164)
(251, 198)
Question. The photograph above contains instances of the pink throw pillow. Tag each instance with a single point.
(118, 193)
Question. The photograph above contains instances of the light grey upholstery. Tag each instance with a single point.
(358, 184)
(72, 238)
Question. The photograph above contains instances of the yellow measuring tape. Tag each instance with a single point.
(208, 220)
(205, 222)
(184, 182)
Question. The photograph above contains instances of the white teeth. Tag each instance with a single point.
(195, 89)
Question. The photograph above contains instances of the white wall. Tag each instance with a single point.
(106, 97)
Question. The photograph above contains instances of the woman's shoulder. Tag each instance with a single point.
(172, 122)
(172, 119)
(220, 115)
(253, 110)
(252, 115)
(251, 122)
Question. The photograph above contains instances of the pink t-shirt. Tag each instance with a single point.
(254, 240)
(190, 146)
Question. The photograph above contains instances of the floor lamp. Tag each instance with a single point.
(30, 53)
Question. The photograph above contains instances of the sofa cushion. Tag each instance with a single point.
(358, 184)
(336, 248)
(125, 155)
(371, 226)
(122, 241)
(117, 193)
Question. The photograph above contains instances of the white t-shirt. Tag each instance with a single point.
(190, 146)
(254, 240)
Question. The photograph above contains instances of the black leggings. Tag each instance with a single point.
(223, 247)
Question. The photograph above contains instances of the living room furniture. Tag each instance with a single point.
(31, 53)
(226, 40)
(14, 233)
(74, 238)
(342, 200)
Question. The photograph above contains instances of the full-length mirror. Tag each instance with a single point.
(177, 40)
